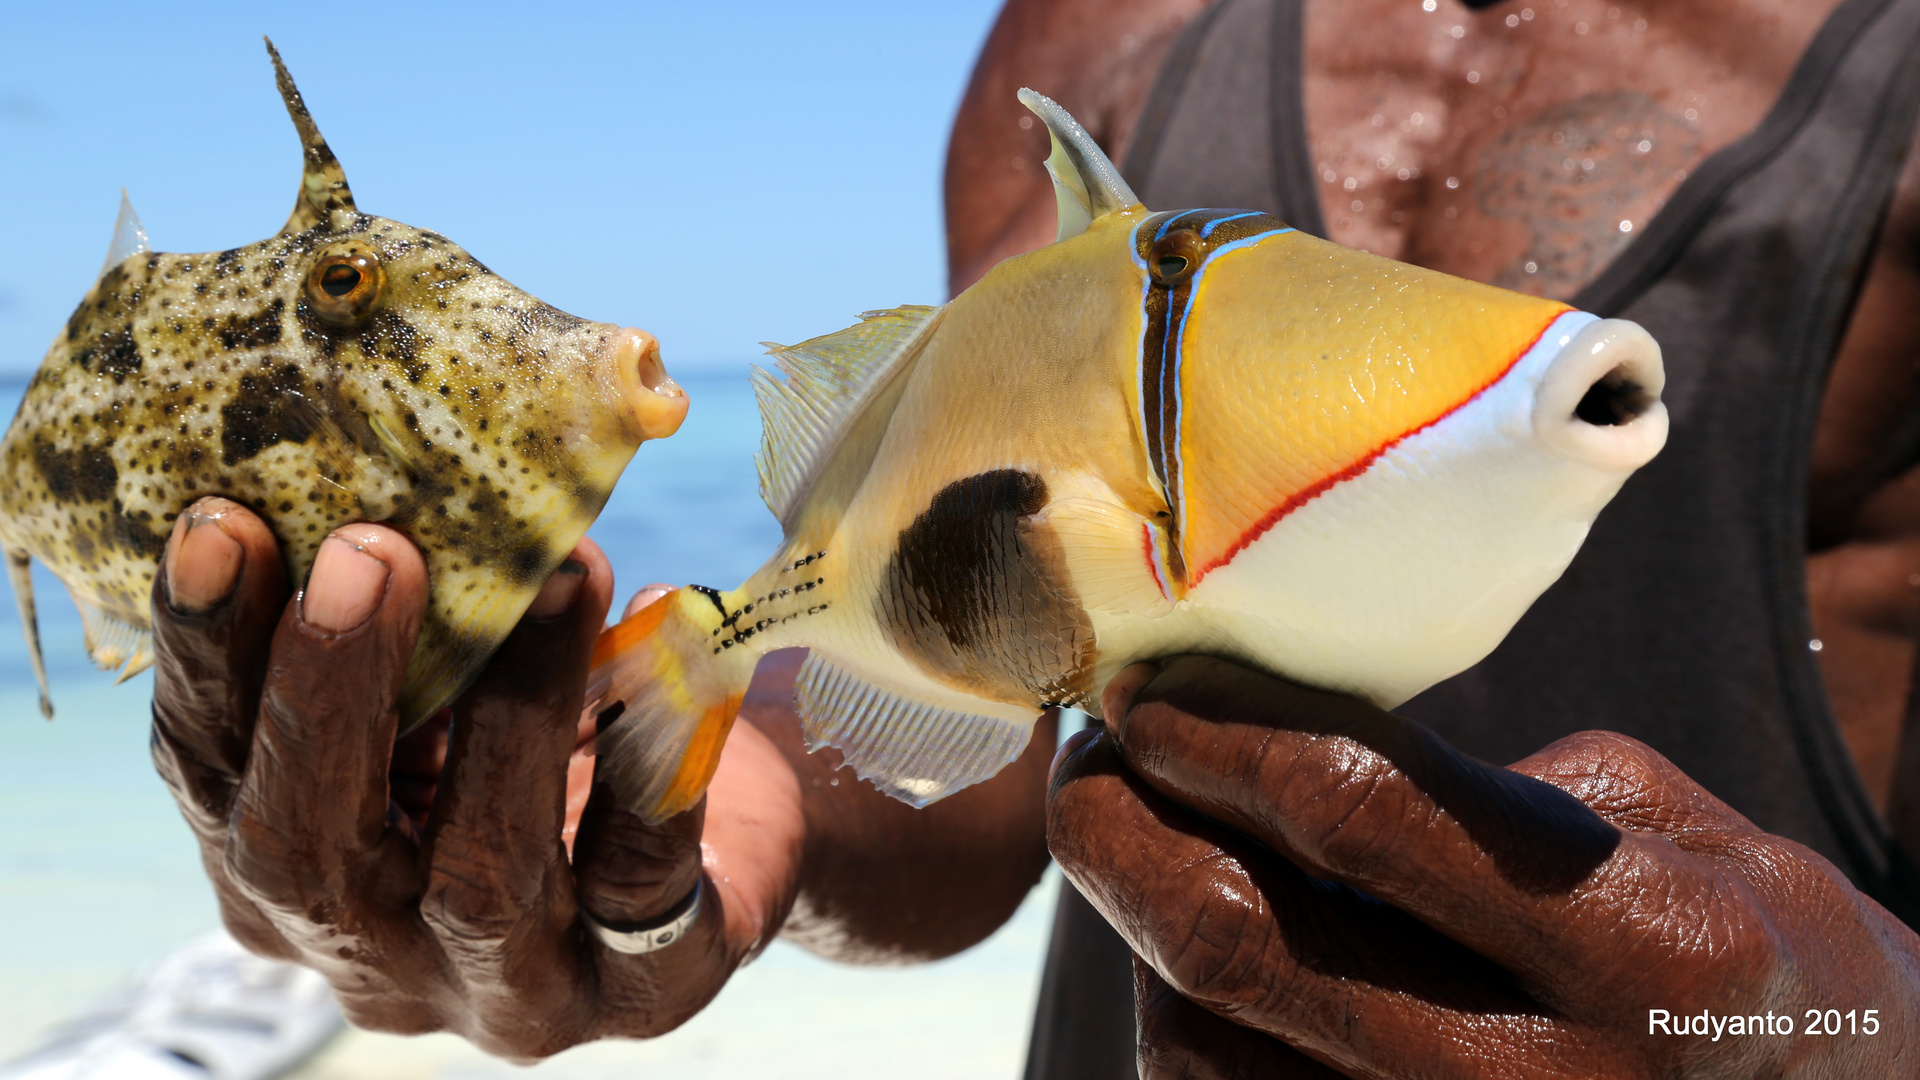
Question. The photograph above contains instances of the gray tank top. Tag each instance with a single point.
(1683, 621)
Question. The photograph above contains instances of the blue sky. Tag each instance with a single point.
(719, 173)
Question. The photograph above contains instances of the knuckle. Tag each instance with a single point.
(471, 899)
(1215, 947)
(259, 860)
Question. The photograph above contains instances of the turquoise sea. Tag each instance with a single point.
(98, 875)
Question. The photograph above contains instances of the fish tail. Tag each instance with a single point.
(20, 576)
(666, 690)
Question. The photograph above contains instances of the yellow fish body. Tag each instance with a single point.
(349, 368)
(1198, 431)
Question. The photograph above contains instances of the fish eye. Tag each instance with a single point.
(345, 285)
(1174, 257)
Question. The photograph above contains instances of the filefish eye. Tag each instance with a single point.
(345, 284)
(1174, 257)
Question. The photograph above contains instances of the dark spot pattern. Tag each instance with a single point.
(979, 596)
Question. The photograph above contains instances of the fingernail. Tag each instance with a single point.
(560, 591)
(1067, 746)
(1118, 697)
(344, 588)
(203, 564)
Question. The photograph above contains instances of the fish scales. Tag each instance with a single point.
(1188, 431)
(349, 368)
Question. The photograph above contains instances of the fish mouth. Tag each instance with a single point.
(1598, 402)
(656, 403)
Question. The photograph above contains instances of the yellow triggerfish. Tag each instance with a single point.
(1193, 431)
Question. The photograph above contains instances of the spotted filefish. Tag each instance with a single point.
(1192, 431)
(348, 368)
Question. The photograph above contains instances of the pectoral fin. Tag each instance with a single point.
(20, 576)
(1120, 561)
(113, 642)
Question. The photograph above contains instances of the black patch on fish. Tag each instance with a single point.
(270, 407)
(113, 353)
(134, 532)
(83, 475)
(392, 338)
(256, 331)
(979, 596)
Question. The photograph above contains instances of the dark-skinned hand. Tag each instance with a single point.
(1313, 887)
(430, 881)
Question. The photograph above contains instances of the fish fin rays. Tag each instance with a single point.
(1086, 186)
(323, 183)
(20, 576)
(113, 642)
(1120, 561)
(914, 751)
(129, 237)
(828, 379)
(676, 702)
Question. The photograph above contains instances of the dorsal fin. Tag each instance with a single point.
(129, 239)
(323, 183)
(1086, 186)
(828, 379)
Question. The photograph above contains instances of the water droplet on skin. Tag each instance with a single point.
(1453, 183)
(1513, 20)
(1379, 120)
(1580, 28)
(1358, 206)
(1429, 5)
(1626, 226)
(1692, 114)
(1639, 24)
(1532, 267)
(1526, 14)
(1473, 76)
(1644, 145)
(1453, 212)
(1329, 175)
(1458, 32)
(1350, 183)
(1914, 580)
(1405, 174)
(1816, 645)
(1026, 123)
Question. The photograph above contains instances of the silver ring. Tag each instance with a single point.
(663, 932)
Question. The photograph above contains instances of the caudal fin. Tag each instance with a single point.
(20, 576)
(676, 690)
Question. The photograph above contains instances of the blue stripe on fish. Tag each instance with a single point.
(1166, 302)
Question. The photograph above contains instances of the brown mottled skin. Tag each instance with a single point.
(482, 422)
(1521, 928)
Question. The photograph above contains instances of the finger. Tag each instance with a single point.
(1500, 861)
(500, 891)
(309, 838)
(220, 591)
(1330, 971)
(647, 595)
(1179, 1040)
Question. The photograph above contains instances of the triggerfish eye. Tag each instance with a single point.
(345, 284)
(1173, 257)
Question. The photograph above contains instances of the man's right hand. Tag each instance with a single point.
(429, 882)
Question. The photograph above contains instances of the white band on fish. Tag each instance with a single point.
(662, 933)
